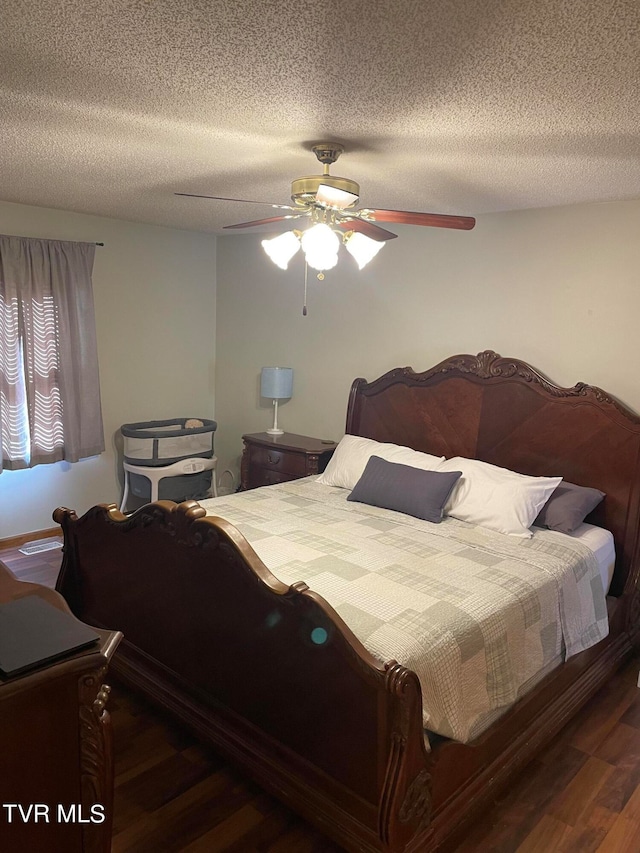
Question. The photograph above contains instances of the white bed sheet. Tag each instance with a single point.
(601, 543)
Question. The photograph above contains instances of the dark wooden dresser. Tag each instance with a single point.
(269, 459)
(55, 746)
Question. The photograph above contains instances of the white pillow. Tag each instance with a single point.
(352, 454)
(496, 497)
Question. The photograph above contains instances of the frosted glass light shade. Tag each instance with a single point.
(320, 245)
(282, 248)
(276, 383)
(362, 248)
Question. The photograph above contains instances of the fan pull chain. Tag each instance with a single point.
(320, 277)
(304, 307)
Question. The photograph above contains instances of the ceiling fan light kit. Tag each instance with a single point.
(320, 245)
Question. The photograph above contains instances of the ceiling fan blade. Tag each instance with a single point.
(266, 221)
(406, 217)
(366, 228)
(335, 197)
(244, 200)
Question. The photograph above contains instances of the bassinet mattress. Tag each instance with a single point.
(477, 615)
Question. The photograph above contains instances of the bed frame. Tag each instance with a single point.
(213, 637)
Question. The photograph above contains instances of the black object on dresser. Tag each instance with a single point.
(269, 459)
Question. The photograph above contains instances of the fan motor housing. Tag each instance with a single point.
(303, 190)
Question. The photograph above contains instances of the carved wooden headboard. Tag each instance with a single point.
(502, 411)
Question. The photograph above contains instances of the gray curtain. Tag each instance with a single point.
(49, 383)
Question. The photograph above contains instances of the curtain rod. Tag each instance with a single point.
(46, 240)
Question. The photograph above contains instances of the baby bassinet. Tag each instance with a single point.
(162, 443)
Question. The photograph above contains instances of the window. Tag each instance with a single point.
(49, 384)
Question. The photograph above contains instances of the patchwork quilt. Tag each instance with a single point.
(477, 615)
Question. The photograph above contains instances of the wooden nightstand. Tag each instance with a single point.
(269, 459)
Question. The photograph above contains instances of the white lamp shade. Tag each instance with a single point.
(276, 383)
(362, 248)
(282, 248)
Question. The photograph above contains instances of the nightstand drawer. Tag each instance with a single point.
(294, 464)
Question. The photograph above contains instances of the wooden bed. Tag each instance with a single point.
(336, 734)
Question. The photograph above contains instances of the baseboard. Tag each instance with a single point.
(17, 541)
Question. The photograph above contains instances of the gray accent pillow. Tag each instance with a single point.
(413, 491)
(568, 507)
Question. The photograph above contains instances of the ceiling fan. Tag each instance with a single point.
(329, 202)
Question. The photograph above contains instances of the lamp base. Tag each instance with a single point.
(275, 430)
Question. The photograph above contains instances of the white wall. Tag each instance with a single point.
(559, 288)
(155, 292)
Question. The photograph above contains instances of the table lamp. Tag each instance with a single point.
(276, 383)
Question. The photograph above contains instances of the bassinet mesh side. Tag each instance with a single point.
(165, 442)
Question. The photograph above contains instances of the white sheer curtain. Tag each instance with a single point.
(49, 382)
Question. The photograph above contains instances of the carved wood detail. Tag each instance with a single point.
(416, 805)
(96, 769)
(491, 365)
(405, 806)
(396, 684)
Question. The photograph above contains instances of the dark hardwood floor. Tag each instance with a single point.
(581, 795)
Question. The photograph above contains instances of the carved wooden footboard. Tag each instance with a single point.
(268, 673)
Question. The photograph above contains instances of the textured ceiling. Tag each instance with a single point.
(451, 106)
